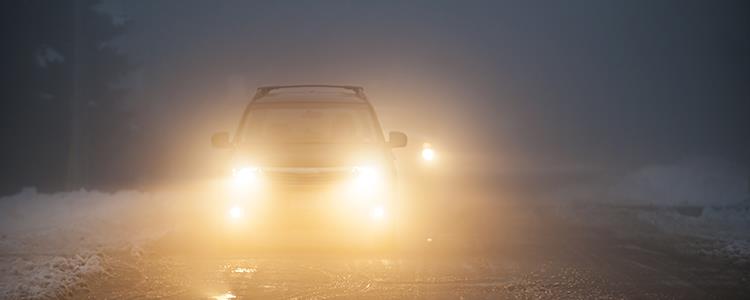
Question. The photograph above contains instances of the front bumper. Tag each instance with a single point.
(315, 208)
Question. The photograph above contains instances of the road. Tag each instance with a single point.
(541, 260)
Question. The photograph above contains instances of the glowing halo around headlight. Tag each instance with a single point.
(377, 213)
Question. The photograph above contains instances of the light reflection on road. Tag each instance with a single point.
(225, 296)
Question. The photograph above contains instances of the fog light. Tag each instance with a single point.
(428, 154)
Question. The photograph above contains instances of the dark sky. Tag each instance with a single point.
(553, 84)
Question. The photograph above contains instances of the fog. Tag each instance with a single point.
(565, 134)
(574, 96)
(517, 90)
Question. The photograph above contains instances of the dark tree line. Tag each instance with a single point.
(63, 123)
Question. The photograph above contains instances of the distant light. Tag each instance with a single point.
(377, 213)
(235, 212)
(429, 240)
(428, 154)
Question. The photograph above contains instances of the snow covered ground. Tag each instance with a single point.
(723, 231)
(703, 199)
(50, 243)
(702, 202)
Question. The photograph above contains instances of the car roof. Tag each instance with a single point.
(310, 93)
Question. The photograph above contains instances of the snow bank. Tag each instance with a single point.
(730, 222)
(692, 182)
(716, 231)
(724, 229)
(49, 243)
(48, 277)
(716, 189)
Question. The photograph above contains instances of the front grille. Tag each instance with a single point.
(306, 178)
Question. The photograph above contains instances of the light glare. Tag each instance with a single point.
(377, 213)
(366, 179)
(245, 177)
(243, 270)
(245, 173)
(428, 154)
(225, 296)
(235, 212)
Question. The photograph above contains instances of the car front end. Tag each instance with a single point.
(310, 166)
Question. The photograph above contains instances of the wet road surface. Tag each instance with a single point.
(553, 262)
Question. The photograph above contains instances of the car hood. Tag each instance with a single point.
(312, 155)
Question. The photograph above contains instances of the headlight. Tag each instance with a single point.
(245, 173)
(245, 176)
(367, 181)
(428, 154)
(365, 176)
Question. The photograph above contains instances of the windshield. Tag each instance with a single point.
(309, 125)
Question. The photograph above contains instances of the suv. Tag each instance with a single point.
(311, 158)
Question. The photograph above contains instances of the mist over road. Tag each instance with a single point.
(536, 256)
(555, 150)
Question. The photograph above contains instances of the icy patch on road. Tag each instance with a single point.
(50, 243)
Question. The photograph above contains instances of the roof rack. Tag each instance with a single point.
(265, 90)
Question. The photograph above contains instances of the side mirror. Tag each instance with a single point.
(397, 139)
(221, 140)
